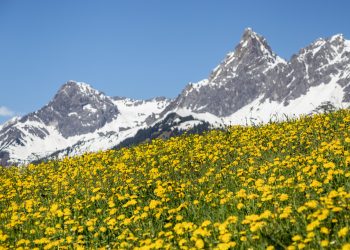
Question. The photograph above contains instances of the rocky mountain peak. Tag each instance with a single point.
(77, 108)
(252, 54)
(253, 46)
(74, 89)
(252, 41)
(339, 44)
(338, 38)
(75, 84)
(330, 46)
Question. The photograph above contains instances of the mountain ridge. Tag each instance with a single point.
(251, 84)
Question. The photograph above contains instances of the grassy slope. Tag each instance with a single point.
(280, 185)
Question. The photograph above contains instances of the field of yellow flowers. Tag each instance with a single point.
(278, 186)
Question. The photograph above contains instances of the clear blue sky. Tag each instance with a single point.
(141, 49)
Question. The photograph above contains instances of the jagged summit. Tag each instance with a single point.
(252, 52)
(254, 45)
(77, 88)
(249, 33)
(248, 30)
(77, 95)
(252, 40)
(75, 84)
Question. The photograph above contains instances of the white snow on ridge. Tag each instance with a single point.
(134, 112)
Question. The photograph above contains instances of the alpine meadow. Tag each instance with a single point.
(277, 186)
(174, 125)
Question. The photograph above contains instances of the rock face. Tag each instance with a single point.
(252, 84)
(78, 109)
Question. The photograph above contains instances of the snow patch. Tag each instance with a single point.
(187, 125)
(89, 108)
(347, 45)
(13, 120)
(73, 114)
(318, 45)
(336, 37)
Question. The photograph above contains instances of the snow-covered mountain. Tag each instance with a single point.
(251, 85)
(77, 120)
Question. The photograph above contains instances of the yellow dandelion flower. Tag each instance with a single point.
(346, 246)
(343, 232)
(199, 244)
(283, 197)
(225, 237)
(324, 243)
